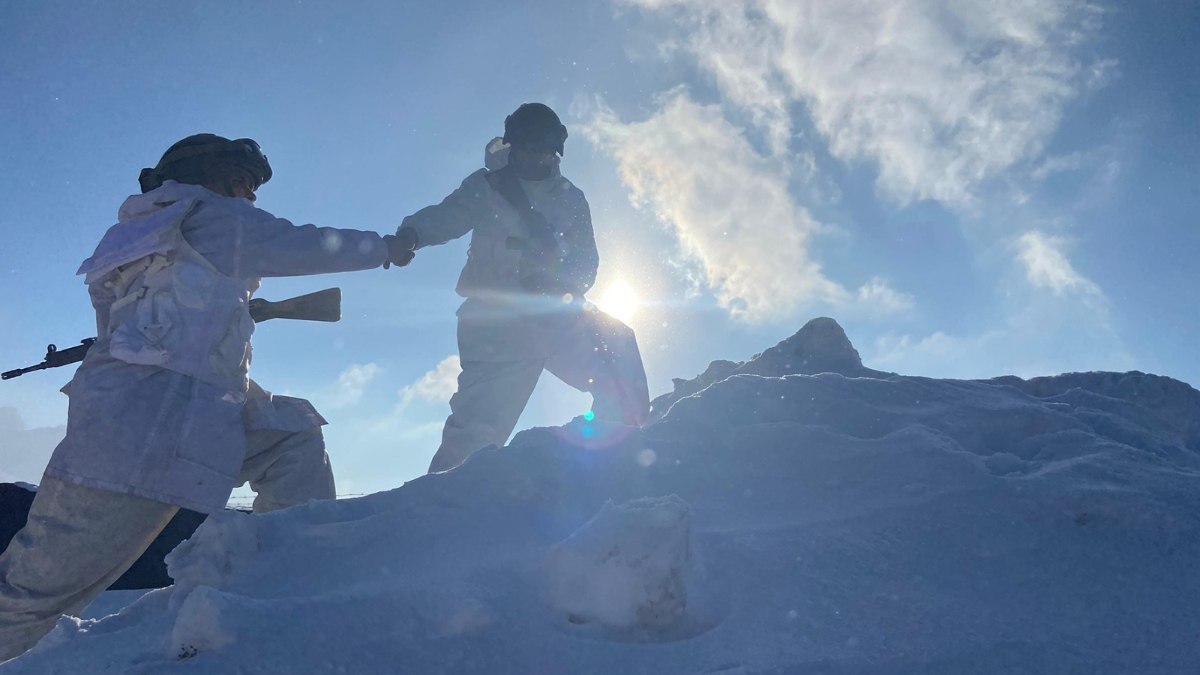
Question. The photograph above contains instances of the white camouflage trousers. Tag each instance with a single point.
(599, 356)
(79, 540)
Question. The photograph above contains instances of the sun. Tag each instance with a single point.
(619, 300)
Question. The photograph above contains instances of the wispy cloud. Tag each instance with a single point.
(1039, 333)
(387, 440)
(350, 385)
(729, 207)
(945, 100)
(1030, 333)
(1028, 344)
(435, 386)
(1046, 266)
(1057, 164)
(877, 296)
(940, 96)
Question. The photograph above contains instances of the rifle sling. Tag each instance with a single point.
(508, 185)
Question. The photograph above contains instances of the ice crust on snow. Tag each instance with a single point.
(847, 521)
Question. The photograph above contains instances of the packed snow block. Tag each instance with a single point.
(226, 543)
(201, 623)
(627, 567)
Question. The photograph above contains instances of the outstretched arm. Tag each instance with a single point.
(455, 216)
(244, 242)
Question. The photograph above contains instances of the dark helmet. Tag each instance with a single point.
(536, 126)
(203, 159)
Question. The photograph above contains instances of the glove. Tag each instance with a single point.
(400, 247)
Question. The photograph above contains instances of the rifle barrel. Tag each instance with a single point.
(54, 358)
(10, 374)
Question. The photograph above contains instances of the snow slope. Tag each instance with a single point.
(819, 523)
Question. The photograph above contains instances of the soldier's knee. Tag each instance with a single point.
(308, 446)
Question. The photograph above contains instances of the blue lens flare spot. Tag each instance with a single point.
(589, 416)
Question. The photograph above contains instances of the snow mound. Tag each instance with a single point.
(821, 346)
(846, 522)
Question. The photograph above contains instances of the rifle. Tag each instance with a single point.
(54, 358)
(323, 305)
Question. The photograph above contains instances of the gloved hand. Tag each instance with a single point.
(400, 247)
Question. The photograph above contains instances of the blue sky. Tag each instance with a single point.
(970, 190)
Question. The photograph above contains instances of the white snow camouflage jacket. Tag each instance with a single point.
(500, 321)
(492, 265)
(161, 415)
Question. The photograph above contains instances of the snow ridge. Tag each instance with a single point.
(821, 346)
(770, 521)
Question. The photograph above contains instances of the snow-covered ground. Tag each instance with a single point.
(770, 522)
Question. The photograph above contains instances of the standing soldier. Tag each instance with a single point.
(531, 260)
(159, 416)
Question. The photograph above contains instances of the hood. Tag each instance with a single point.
(159, 198)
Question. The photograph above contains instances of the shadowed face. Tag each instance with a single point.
(239, 183)
(531, 163)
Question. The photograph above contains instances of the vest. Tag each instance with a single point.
(167, 306)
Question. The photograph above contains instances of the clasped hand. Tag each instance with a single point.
(401, 247)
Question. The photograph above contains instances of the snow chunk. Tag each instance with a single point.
(225, 542)
(199, 625)
(626, 567)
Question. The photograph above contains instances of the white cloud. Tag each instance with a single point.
(1036, 334)
(435, 386)
(935, 355)
(878, 297)
(941, 96)
(729, 207)
(1058, 164)
(351, 384)
(1098, 165)
(1018, 347)
(386, 442)
(1046, 266)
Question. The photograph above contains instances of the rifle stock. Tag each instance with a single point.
(323, 305)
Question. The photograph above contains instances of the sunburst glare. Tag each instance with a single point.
(619, 300)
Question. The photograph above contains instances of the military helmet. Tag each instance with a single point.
(536, 126)
(202, 159)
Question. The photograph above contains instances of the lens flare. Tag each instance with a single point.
(619, 300)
